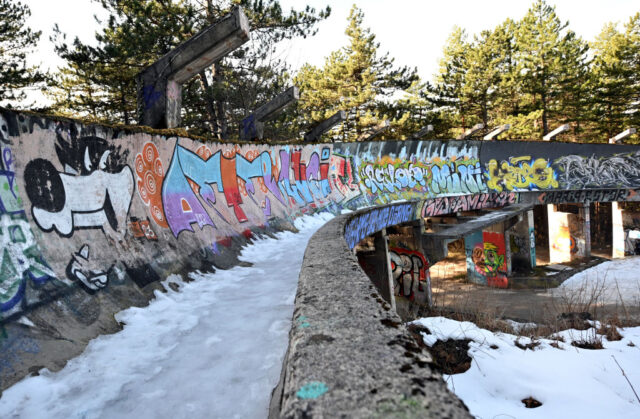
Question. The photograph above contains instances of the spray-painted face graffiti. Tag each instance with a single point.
(93, 190)
(486, 253)
(520, 174)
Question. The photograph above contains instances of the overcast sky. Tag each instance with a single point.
(412, 31)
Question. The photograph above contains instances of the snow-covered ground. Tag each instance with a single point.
(569, 382)
(609, 282)
(213, 349)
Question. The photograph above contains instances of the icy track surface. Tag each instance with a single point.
(213, 349)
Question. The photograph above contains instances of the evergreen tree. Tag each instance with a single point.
(356, 80)
(16, 41)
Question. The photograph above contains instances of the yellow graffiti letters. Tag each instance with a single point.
(520, 173)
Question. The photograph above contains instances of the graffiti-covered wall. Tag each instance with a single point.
(91, 217)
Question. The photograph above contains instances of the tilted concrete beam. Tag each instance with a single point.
(422, 133)
(325, 126)
(493, 134)
(468, 133)
(160, 84)
(252, 127)
(555, 132)
(375, 131)
(624, 134)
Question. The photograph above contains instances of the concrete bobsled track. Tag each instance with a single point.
(92, 217)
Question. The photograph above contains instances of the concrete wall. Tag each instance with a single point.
(92, 217)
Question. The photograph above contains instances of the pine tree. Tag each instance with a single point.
(16, 41)
(356, 80)
(550, 59)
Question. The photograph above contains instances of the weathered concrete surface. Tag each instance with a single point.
(351, 348)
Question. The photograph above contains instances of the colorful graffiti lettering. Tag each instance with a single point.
(436, 177)
(342, 176)
(520, 174)
(453, 204)
(20, 258)
(150, 175)
(190, 179)
(368, 223)
(410, 271)
(486, 259)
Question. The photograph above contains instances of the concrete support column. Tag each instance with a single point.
(384, 278)
(418, 230)
(585, 215)
(532, 238)
(617, 238)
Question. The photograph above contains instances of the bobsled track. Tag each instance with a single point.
(92, 218)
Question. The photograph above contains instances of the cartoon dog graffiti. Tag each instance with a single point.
(94, 191)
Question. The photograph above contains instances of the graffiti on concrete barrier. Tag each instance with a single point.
(150, 174)
(486, 259)
(89, 273)
(453, 204)
(21, 262)
(93, 189)
(521, 173)
(617, 171)
(438, 176)
(364, 225)
(410, 271)
(589, 195)
(342, 177)
(291, 181)
(142, 229)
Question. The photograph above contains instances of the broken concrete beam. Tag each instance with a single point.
(494, 134)
(624, 134)
(160, 85)
(555, 132)
(422, 133)
(468, 133)
(375, 131)
(252, 127)
(324, 126)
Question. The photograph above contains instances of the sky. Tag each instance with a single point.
(412, 31)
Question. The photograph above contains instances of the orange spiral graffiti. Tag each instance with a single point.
(150, 175)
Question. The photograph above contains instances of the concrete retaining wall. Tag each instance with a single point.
(93, 216)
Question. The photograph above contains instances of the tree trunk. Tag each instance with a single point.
(221, 119)
(208, 99)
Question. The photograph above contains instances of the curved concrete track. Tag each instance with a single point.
(93, 217)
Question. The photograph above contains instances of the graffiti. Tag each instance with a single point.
(453, 204)
(364, 225)
(564, 242)
(486, 259)
(342, 176)
(20, 261)
(20, 258)
(93, 191)
(410, 271)
(617, 171)
(519, 245)
(532, 244)
(437, 177)
(189, 180)
(589, 195)
(150, 175)
(142, 229)
(89, 274)
(520, 174)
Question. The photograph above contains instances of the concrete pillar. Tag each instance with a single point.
(384, 279)
(532, 238)
(617, 238)
(418, 230)
(585, 215)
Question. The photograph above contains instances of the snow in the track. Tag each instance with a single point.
(213, 349)
(608, 283)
